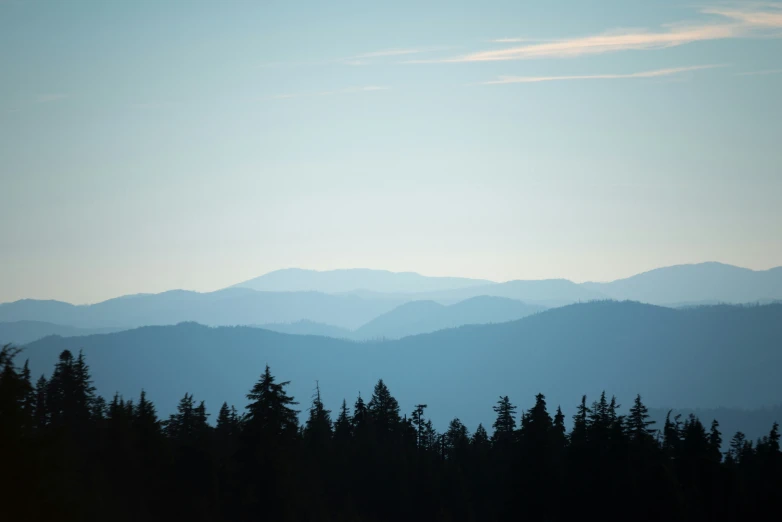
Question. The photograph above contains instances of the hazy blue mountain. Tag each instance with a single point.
(305, 327)
(224, 307)
(547, 293)
(23, 332)
(346, 280)
(697, 283)
(701, 357)
(417, 317)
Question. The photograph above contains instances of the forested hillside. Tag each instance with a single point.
(704, 357)
(75, 455)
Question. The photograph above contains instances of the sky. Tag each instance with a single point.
(154, 145)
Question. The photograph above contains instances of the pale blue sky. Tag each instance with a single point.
(153, 145)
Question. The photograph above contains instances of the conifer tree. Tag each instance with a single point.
(638, 423)
(419, 424)
(383, 410)
(181, 425)
(343, 425)
(480, 439)
(13, 395)
(737, 447)
(536, 430)
(505, 423)
(269, 413)
(773, 438)
(98, 410)
(227, 422)
(145, 418)
(671, 435)
(457, 440)
(580, 432)
(28, 402)
(317, 429)
(558, 431)
(715, 442)
(41, 409)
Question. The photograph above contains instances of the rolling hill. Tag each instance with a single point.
(23, 332)
(419, 317)
(224, 307)
(305, 327)
(704, 357)
(696, 283)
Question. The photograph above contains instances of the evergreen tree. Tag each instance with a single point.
(181, 425)
(580, 432)
(505, 423)
(773, 438)
(419, 424)
(559, 432)
(359, 414)
(228, 422)
(145, 418)
(737, 447)
(41, 420)
(480, 440)
(84, 391)
(269, 412)
(457, 440)
(317, 429)
(695, 441)
(29, 398)
(536, 430)
(343, 425)
(671, 435)
(638, 423)
(383, 410)
(14, 393)
(431, 439)
(715, 442)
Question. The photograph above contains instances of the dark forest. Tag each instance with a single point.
(69, 454)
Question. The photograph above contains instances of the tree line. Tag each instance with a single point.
(69, 454)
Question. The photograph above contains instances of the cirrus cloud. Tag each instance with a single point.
(738, 22)
(643, 74)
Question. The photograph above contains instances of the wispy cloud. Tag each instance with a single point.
(758, 73)
(753, 18)
(736, 22)
(347, 90)
(46, 98)
(644, 74)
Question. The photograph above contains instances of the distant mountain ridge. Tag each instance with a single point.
(702, 282)
(707, 357)
(419, 317)
(306, 327)
(221, 308)
(23, 332)
(350, 279)
(681, 285)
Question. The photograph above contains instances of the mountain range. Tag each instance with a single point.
(700, 283)
(411, 318)
(224, 307)
(418, 317)
(347, 280)
(365, 304)
(704, 357)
